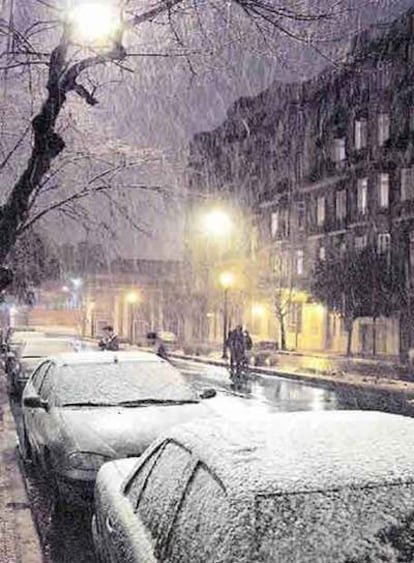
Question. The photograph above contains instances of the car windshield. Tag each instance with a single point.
(351, 525)
(125, 383)
(43, 348)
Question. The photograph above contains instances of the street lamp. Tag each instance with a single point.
(95, 22)
(226, 281)
(132, 298)
(217, 223)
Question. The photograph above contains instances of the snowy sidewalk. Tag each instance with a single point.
(19, 542)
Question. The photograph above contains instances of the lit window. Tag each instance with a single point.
(274, 223)
(360, 243)
(299, 262)
(340, 204)
(407, 183)
(322, 253)
(320, 211)
(384, 190)
(384, 244)
(383, 128)
(362, 196)
(339, 150)
(361, 133)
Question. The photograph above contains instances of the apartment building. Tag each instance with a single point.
(326, 166)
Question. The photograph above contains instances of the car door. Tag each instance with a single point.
(153, 495)
(43, 425)
(32, 389)
(201, 531)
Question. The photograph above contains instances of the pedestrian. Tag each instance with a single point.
(110, 340)
(248, 345)
(235, 342)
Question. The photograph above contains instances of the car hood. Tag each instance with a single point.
(122, 432)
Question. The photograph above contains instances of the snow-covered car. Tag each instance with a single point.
(80, 410)
(315, 487)
(28, 354)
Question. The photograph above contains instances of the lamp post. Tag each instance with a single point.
(226, 281)
(132, 297)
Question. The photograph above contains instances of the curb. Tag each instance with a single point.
(19, 540)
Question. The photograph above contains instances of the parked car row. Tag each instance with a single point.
(171, 481)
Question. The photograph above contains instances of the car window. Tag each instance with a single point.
(202, 523)
(46, 385)
(39, 374)
(163, 489)
(134, 487)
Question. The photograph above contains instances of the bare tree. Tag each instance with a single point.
(69, 67)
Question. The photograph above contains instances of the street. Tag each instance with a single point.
(70, 534)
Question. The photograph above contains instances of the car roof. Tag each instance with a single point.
(303, 451)
(109, 357)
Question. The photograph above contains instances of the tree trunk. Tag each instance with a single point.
(282, 333)
(46, 147)
(374, 336)
(349, 328)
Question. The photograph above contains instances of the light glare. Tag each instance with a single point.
(94, 21)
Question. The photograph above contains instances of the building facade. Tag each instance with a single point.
(326, 167)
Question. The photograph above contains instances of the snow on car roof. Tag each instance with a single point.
(71, 358)
(304, 451)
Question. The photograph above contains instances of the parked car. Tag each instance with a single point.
(305, 487)
(80, 410)
(27, 355)
(263, 351)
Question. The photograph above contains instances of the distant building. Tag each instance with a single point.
(324, 166)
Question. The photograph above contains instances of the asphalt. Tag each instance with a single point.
(374, 383)
(19, 541)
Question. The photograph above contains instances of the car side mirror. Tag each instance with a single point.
(35, 402)
(208, 393)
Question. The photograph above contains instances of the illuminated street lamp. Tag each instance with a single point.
(96, 22)
(217, 223)
(226, 281)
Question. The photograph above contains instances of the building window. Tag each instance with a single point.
(383, 190)
(339, 150)
(360, 243)
(299, 167)
(340, 204)
(274, 223)
(342, 249)
(407, 183)
(384, 245)
(411, 241)
(383, 128)
(284, 222)
(299, 262)
(320, 211)
(322, 253)
(361, 133)
(362, 195)
(300, 215)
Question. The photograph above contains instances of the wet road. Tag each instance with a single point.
(67, 538)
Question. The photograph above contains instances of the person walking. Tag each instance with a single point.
(248, 345)
(110, 340)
